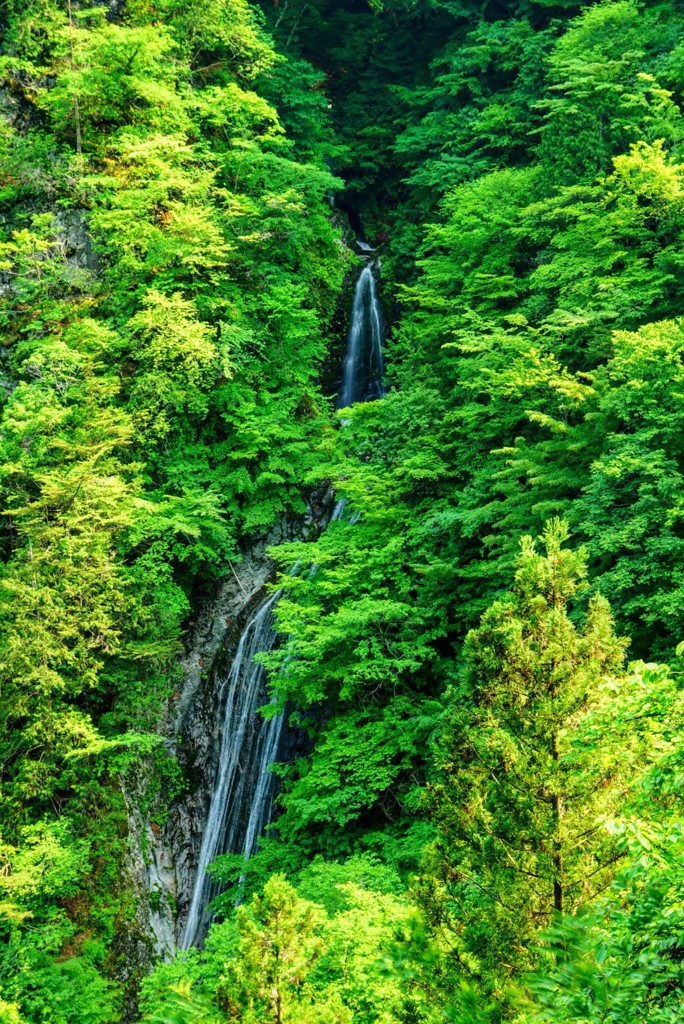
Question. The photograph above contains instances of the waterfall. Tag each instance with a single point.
(363, 371)
(243, 786)
(244, 789)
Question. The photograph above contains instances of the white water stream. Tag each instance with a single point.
(248, 742)
(363, 370)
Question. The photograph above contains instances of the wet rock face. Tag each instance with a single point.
(196, 715)
(74, 240)
(162, 861)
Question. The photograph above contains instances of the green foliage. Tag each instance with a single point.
(622, 961)
(45, 965)
(602, 96)
(328, 882)
(523, 793)
(9, 1013)
(285, 959)
(168, 272)
(169, 299)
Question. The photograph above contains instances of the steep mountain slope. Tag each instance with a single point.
(176, 186)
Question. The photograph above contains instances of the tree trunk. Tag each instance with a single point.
(557, 859)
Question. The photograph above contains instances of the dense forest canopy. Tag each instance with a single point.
(480, 821)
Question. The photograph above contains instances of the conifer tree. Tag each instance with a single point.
(524, 788)
(280, 941)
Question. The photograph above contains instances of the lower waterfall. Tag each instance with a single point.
(249, 744)
(243, 792)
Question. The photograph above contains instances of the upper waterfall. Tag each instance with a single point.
(363, 370)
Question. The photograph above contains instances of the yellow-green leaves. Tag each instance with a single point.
(178, 359)
(520, 801)
(285, 960)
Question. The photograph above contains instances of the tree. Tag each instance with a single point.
(48, 972)
(523, 790)
(9, 1013)
(280, 942)
(282, 959)
(621, 961)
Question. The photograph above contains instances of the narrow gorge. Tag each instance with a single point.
(219, 718)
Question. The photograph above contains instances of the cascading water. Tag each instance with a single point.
(244, 789)
(249, 744)
(363, 371)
